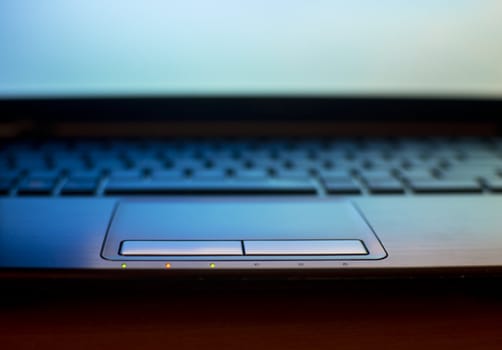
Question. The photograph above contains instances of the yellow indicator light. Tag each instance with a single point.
(212, 265)
(168, 265)
(124, 265)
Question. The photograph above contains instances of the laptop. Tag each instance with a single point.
(296, 138)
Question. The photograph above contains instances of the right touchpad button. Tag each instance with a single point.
(305, 247)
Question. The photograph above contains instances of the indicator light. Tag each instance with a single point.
(212, 265)
(168, 265)
(124, 265)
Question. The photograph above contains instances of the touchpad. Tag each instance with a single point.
(239, 229)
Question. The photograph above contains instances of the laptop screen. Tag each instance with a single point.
(68, 48)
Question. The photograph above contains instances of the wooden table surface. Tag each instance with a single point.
(424, 314)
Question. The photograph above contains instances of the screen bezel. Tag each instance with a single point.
(252, 108)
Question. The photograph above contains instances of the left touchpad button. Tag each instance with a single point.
(180, 248)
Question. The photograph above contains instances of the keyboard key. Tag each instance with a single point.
(67, 161)
(335, 173)
(37, 186)
(69, 164)
(384, 185)
(108, 164)
(30, 163)
(9, 174)
(86, 174)
(494, 184)
(254, 173)
(229, 186)
(79, 186)
(297, 173)
(472, 171)
(341, 185)
(188, 163)
(377, 174)
(148, 163)
(445, 186)
(127, 174)
(49, 173)
(212, 173)
(421, 173)
(168, 174)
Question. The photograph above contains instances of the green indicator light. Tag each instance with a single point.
(124, 265)
(212, 265)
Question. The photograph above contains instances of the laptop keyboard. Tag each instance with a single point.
(252, 166)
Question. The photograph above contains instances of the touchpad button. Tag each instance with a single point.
(180, 248)
(305, 247)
